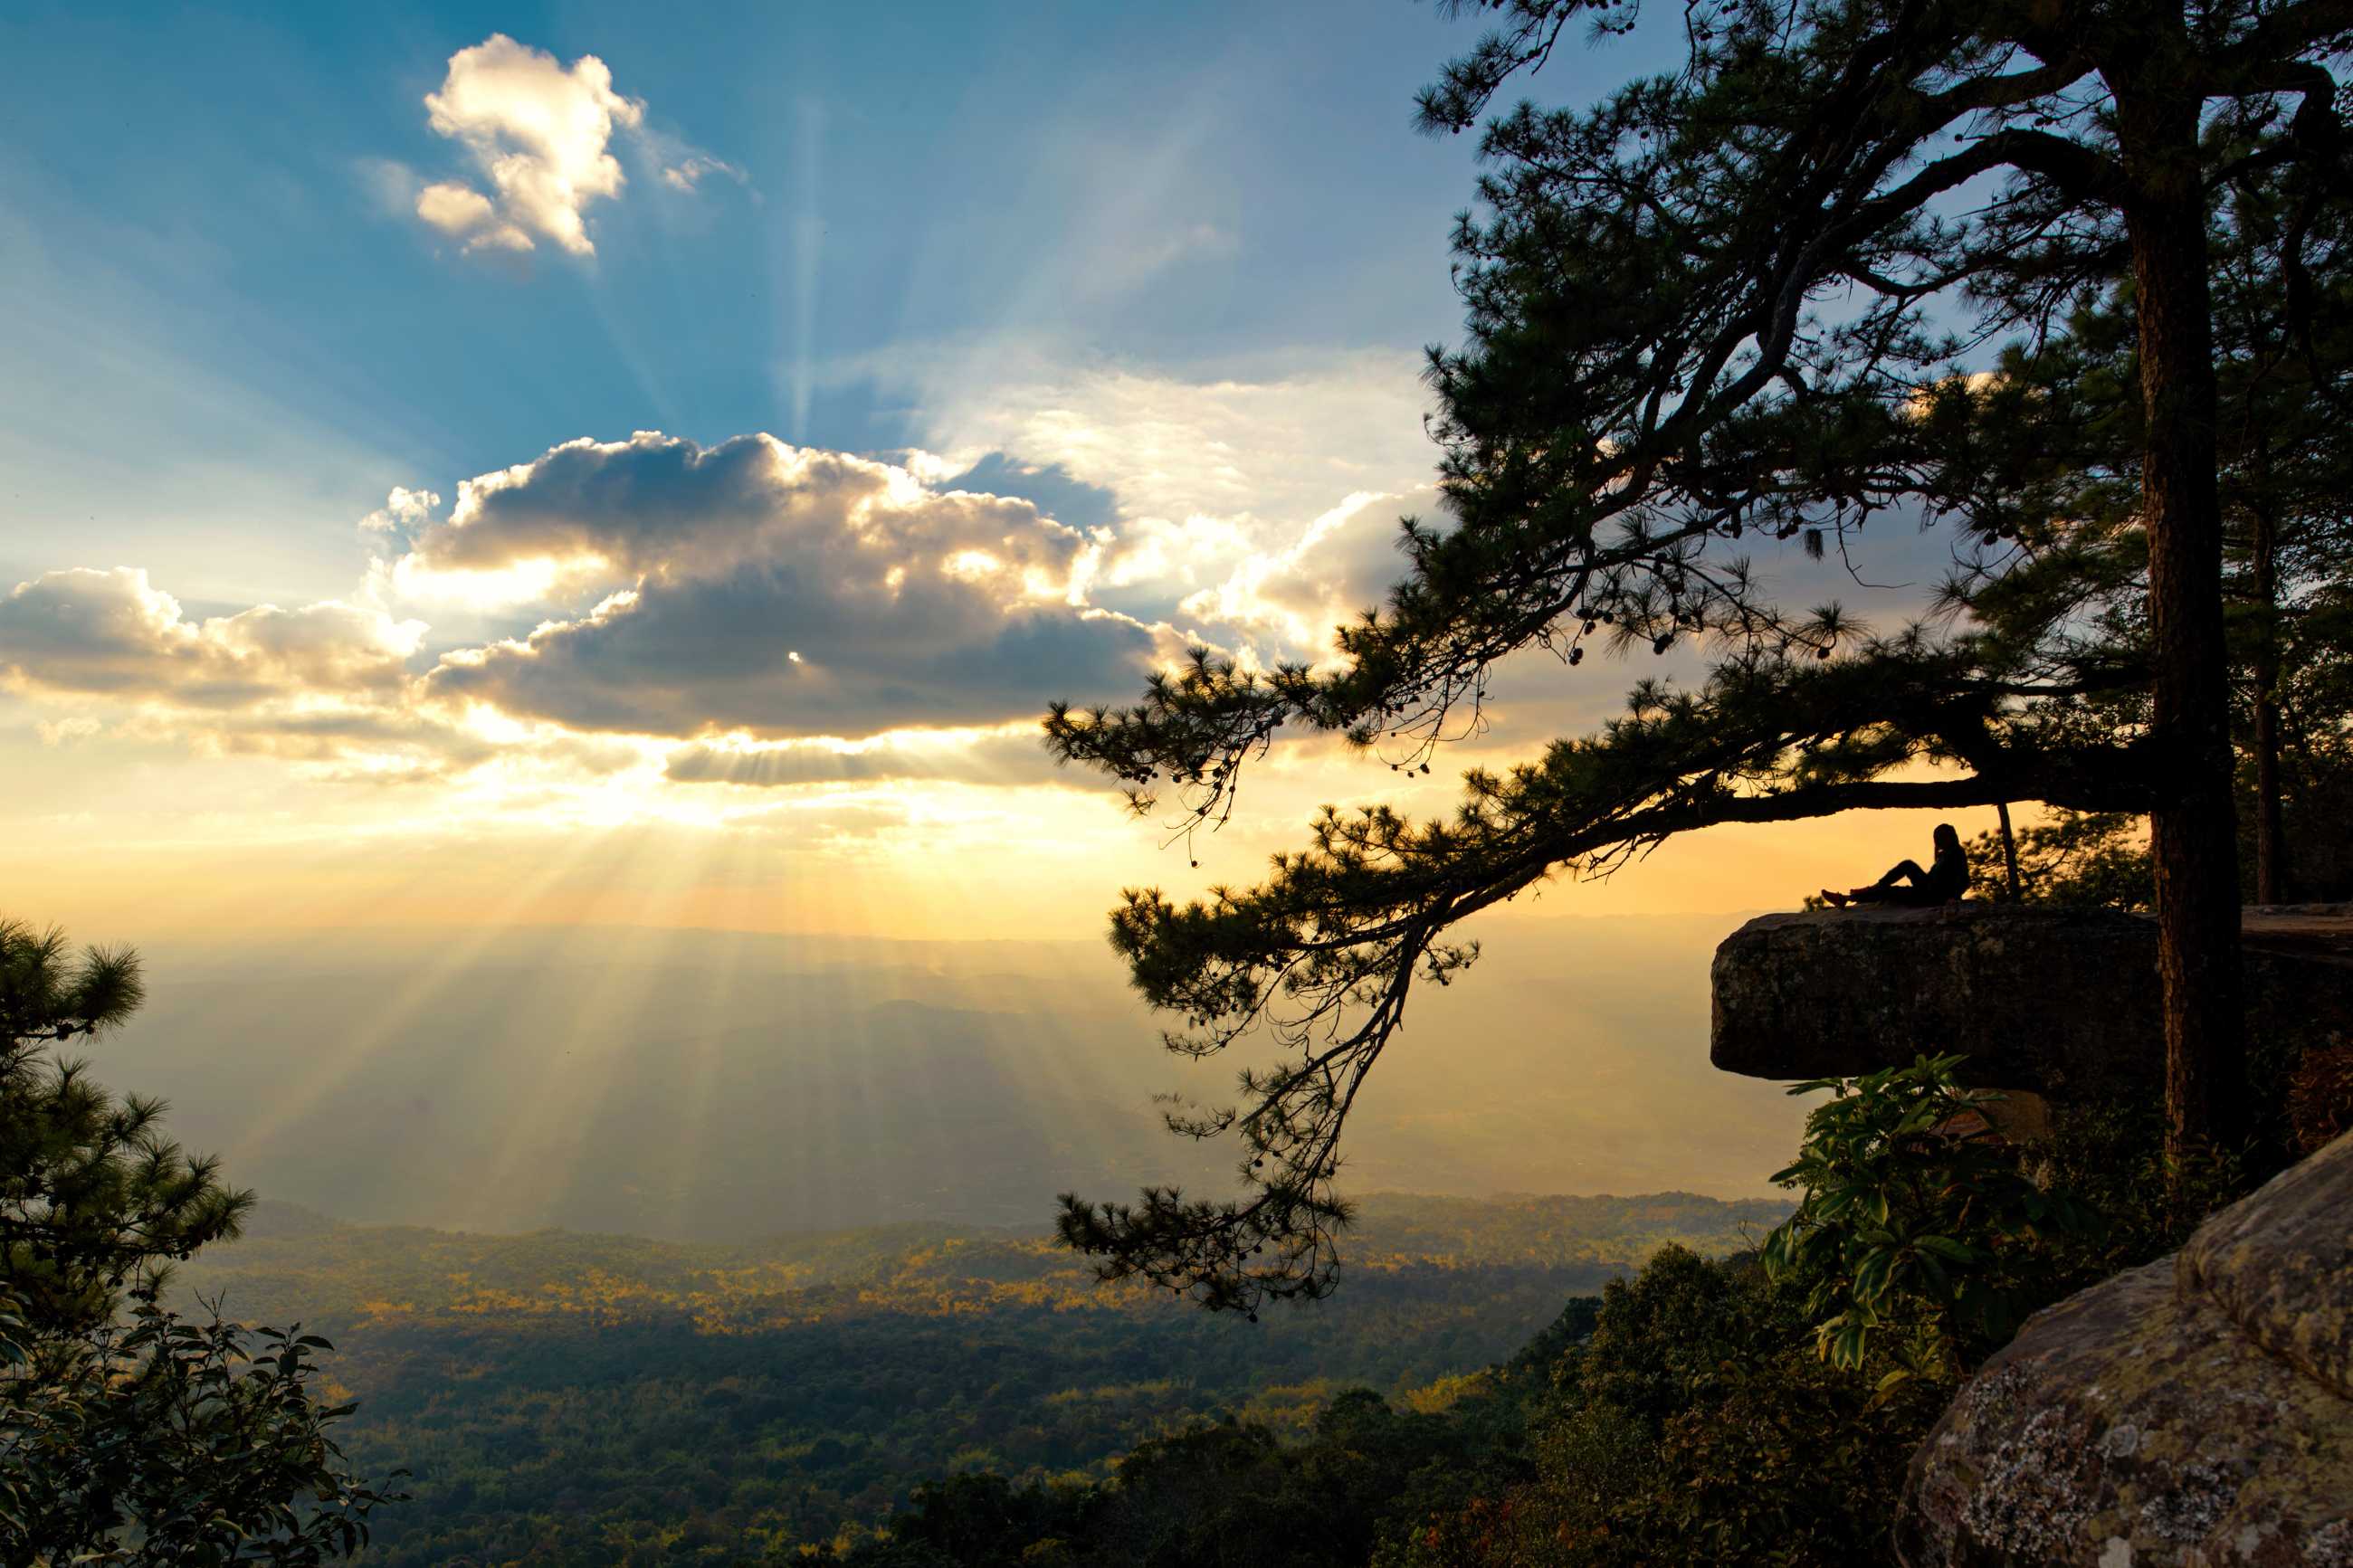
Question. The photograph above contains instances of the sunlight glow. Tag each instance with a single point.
(526, 582)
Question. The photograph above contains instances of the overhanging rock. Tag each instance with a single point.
(2060, 1002)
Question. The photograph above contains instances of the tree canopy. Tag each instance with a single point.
(1852, 261)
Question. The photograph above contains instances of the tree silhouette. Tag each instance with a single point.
(1751, 299)
(128, 1434)
(93, 1198)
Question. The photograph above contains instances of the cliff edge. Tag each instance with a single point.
(2058, 1002)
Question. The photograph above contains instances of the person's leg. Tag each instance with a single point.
(1905, 883)
(1905, 879)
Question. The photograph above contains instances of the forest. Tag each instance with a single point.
(570, 1398)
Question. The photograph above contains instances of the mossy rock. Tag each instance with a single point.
(2195, 1411)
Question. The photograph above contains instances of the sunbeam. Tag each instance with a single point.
(456, 952)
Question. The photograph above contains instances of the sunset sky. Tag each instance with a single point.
(554, 465)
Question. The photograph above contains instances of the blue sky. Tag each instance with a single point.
(227, 338)
(999, 353)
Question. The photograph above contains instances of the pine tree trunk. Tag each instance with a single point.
(2194, 836)
(2271, 831)
(2009, 851)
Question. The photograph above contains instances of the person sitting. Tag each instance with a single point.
(1945, 880)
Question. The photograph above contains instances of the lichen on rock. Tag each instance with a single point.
(2189, 1411)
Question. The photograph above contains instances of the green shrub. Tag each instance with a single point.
(1919, 1231)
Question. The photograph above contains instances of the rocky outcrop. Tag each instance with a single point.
(2198, 1410)
(2060, 1002)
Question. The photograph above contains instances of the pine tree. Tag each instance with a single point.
(126, 1433)
(1751, 301)
(94, 1200)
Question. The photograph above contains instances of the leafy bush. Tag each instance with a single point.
(2112, 1158)
(2319, 1107)
(166, 1441)
(1918, 1227)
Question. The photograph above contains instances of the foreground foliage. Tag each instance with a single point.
(1920, 1230)
(172, 1441)
(129, 1434)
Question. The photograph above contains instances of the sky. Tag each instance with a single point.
(474, 467)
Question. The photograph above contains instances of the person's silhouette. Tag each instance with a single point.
(1945, 880)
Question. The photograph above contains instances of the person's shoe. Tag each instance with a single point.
(1835, 900)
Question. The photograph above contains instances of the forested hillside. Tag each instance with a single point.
(599, 1399)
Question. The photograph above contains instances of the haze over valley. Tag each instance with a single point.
(715, 1085)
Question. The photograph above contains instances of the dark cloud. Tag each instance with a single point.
(778, 591)
(660, 504)
(688, 658)
(112, 633)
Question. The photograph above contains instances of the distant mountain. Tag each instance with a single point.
(583, 1398)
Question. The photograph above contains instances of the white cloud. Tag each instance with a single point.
(465, 213)
(1264, 498)
(404, 509)
(1292, 598)
(1272, 440)
(540, 134)
(691, 170)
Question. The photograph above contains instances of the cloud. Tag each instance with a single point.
(466, 213)
(1275, 441)
(636, 619)
(689, 172)
(660, 504)
(113, 634)
(403, 509)
(776, 590)
(539, 133)
(325, 684)
(1264, 500)
(65, 731)
(389, 185)
(1342, 564)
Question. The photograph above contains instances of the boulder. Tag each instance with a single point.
(2198, 1410)
(2058, 1002)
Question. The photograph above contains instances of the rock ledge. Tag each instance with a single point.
(2060, 1002)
